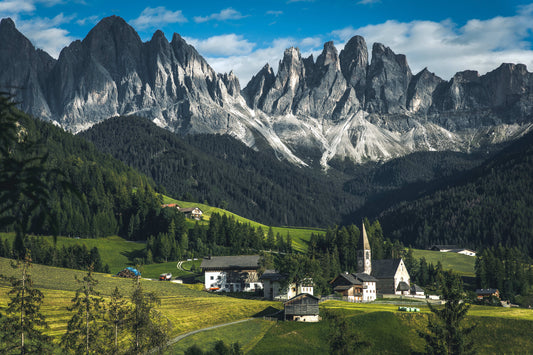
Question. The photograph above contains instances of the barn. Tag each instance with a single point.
(302, 308)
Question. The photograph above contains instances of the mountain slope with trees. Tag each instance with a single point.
(222, 171)
(491, 205)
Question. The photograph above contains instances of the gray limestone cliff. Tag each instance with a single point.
(309, 111)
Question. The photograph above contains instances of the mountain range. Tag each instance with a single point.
(341, 105)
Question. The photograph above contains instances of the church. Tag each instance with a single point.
(391, 274)
(373, 277)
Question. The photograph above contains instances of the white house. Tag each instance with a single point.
(231, 273)
(273, 290)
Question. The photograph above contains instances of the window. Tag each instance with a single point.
(212, 277)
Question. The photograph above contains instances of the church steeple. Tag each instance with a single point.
(364, 256)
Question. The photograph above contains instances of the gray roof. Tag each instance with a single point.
(350, 279)
(386, 268)
(272, 275)
(231, 262)
(416, 288)
(365, 277)
(485, 291)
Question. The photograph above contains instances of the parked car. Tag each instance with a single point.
(165, 277)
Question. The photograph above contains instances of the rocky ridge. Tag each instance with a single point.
(309, 112)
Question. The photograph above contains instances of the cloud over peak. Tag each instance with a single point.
(224, 15)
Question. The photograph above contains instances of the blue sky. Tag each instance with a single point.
(445, 36)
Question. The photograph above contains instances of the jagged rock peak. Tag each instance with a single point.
(354, 63)
(380, 51)
(232, 83)
(329, 55)
(6, 23)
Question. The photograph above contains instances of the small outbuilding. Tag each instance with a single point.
(483, 293)
(302, 308)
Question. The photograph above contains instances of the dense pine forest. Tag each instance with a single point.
(491, 206)
(223, 172)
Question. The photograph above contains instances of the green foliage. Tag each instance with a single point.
(342, 338)
(21, 330)
(220, 348)
(505, 269)
(490, 205)
(445, 332)
(84, 329)
(116, 314)
(149, 328)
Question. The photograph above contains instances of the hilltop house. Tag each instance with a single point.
(192, 212)
(231, 273)
(452, 249)
(302, 308)
(391, 274)
(273, 290)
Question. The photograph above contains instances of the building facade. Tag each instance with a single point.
(231, 273)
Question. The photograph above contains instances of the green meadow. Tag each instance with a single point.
(300, 236)
(383, 328)
(461, 264)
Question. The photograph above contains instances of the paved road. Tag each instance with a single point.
(182, 336)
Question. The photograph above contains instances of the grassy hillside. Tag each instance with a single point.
(300, 236)
(387, 331)
(188, 309)
(461, 264)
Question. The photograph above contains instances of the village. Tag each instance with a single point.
(387, 278)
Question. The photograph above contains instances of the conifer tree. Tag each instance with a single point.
(21, 330)
(446, 334)
(148, 326)
(115, 318)
(84, 329)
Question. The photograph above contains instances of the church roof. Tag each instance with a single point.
(385, 268)
(365, 245)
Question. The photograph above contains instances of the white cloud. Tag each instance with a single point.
(153, 17)
(246, 66)
(46, 34)
(224, 45)
(91, 20)
(446, 48)
(12, 7)
(368, 2)
(224, 15)
(274, 13)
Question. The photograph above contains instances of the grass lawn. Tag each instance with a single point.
(114, 251)
(461, 264)
(153, 271)
(186, 308)
(247, 334)
(300, 236)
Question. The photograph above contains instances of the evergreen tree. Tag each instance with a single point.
(21, 328)
(116, 315)
(342, 339)
(148, 326)
(446, 334)
(84, 329)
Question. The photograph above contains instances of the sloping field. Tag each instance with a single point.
(186, 308)
(461, 264)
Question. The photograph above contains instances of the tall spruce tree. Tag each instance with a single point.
(21, 330)
(446, 334)
(84, 329)
(116, 315)
(148, 326)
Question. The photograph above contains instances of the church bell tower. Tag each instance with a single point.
(364, 256)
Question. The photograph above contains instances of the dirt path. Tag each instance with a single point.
(183, 336)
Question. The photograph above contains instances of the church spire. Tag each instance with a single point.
(364, 257)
